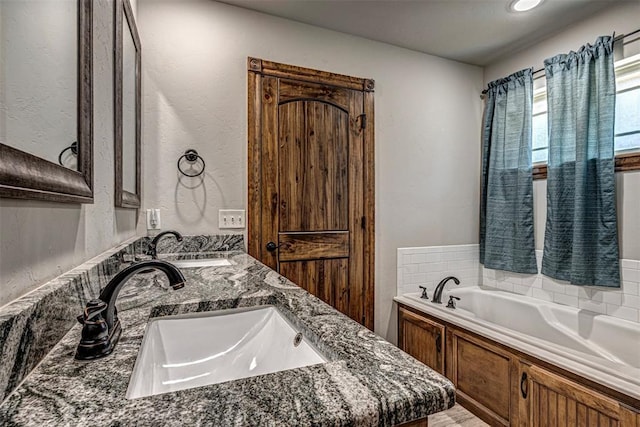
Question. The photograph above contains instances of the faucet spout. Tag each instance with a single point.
(101, 327)
(437, 294)
(153, 246)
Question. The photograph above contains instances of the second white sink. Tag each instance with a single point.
(180, 352)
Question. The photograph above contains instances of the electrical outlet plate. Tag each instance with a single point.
(231, 218)
(153, 219)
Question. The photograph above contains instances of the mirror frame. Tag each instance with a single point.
(124, 12)
(27, 176)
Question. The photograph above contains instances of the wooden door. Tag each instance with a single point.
(421, 338)
(311, 207)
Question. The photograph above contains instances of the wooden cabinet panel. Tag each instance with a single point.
(557, 401)
(629, 417)
(421, 338)
(483, 376)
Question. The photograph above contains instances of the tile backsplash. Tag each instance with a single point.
(426, 266)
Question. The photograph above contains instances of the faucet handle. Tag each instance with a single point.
(424, 292)
(452, 303)
(92, 312)
(95, 328)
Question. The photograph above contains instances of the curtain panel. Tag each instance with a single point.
(506, 210)
(581, 234)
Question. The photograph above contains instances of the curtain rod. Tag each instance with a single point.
(615, 39)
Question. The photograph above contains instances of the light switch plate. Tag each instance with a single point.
(231, 218)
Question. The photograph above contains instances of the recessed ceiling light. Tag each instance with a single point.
(524, 5)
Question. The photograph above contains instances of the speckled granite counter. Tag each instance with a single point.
(367, 381)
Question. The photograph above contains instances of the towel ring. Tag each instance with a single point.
(74, 150)
(191, 156)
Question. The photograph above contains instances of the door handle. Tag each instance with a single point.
(271, 246)
(524, 385)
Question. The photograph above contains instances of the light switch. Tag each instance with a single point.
(231, 218)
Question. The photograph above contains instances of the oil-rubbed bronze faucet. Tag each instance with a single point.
(437, 294)
(153, 246)
(101, 327)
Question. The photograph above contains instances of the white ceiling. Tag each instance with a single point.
(473, 31)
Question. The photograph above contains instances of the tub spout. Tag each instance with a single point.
(437, 294)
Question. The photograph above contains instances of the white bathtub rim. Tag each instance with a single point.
(614, 376)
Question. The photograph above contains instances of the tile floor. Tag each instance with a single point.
(454, 417)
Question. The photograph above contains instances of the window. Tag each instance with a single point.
(627, 126)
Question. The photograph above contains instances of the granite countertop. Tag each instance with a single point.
(367, 380)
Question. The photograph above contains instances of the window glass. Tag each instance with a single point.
(627, 125)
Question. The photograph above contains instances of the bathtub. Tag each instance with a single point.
(598, 347)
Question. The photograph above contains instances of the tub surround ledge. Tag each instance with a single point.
(367, 380)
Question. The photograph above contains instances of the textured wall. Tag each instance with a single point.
(427, 124)
(40, 240)
(621, 19)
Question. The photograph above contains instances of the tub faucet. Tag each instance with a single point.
(437, 294)
(153, 246)
(101, 327)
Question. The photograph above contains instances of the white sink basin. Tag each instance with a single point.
(196, 263)
(180, 352)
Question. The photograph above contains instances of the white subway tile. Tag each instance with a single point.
(565, 299)
(412, 268)
(529, 279)
(435, 276)
(598, 307)
(552, 286)
(572, 290)
(505, 286)
(522, 289)
(406, 259)
(489, 282)
(631, 275)
(429, 264)
(542, 294)
(612, 297)
(434, 257)
(418, 258)
(632, 301)
(622, 312)
(449, 256)
(631, 288)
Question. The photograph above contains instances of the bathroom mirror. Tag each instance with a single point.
(127, 107)
(46, 100)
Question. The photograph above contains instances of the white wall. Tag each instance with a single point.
(427, 124)
(40, 240)
(621, 19)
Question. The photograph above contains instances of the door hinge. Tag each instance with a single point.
(363, 121)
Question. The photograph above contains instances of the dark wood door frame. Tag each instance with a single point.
(257, 195)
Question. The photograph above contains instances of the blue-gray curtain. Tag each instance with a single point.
(506, 209)
(581, 235)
